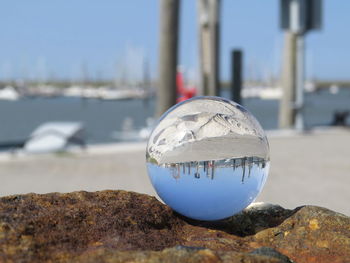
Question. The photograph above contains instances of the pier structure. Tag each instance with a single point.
(297, 18)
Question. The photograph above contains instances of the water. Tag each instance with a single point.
(210, 190)
(101, 118)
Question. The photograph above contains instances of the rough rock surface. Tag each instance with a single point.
(119, 226)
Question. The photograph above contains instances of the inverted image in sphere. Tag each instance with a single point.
(208, 158)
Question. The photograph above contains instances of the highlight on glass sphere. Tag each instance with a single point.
(208, 158)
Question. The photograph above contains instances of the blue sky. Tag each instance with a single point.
(41, 38)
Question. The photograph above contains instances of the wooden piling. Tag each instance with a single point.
(209, 43)
(287, 107)
(168, 52)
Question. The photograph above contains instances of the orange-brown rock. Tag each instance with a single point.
(120, 226)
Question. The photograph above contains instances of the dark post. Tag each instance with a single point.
(236, 75)
(168, 49)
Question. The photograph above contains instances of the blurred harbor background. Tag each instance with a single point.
(114, 67)
(103, 119)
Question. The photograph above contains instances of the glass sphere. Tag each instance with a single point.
(208, 158)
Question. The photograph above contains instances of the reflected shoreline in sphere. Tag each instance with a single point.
(208, 186)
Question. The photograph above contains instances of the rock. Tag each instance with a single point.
(267, 251)
(311, 234)
(174, 255)
(119, 226)
(53, 225)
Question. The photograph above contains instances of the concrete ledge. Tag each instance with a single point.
(308, 168)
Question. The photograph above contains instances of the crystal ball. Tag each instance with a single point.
(208, 158)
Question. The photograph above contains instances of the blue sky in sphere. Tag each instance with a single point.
(56, 38)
